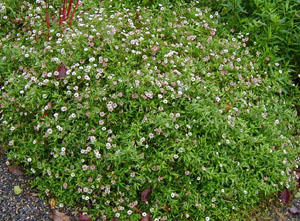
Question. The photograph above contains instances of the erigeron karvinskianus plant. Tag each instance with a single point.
(138, 112)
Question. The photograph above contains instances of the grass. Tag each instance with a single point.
(138, 111)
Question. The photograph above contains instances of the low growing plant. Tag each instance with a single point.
(139, 112)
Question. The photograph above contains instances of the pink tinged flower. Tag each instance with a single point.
(144, 214)
(108, 146)
(100, 70)
(65, 185)
(160, 108)
(191, 37)
(92, 138)
(224, 72)
(207, 58)
(64, 109)
(85, 167)
(155, 49)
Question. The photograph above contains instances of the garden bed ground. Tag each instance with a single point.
(27, 205)
(23, 206)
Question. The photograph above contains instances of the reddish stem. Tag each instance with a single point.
(69, 9)
(64, 11)
(60, 18)
(73, 13)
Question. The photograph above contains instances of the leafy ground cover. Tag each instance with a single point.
(137, 112)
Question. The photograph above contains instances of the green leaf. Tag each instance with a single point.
(297, 195)
(17, 190)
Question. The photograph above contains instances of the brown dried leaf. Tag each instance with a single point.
(58, 216)
(52, 203)
(115, 219)
(146, 194)
(16, 170)
(285, 196)
(146, 218)
(84, 217)
(228, 106)
(167, 208)
(62, 70)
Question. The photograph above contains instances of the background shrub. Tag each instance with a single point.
(273, 25)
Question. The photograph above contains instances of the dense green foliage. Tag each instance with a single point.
(163, 97)
(273, 25)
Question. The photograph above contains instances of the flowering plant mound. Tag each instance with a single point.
(139, 112)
